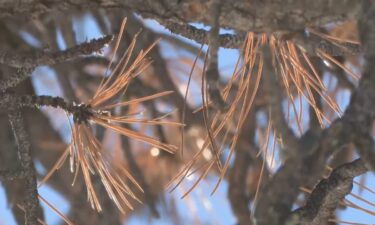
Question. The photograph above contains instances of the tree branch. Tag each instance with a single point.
(12, 81)
(201, 36)
(326, 196)
(212, 72)
(27, 62)
(238, 192)
(256, 15)
(31, 203)
(309, 43)
(33, 101)
(363, 115)
(13, 174)
(24, 60)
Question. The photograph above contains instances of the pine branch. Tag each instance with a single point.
(33, 101)
(27, 62)
(326, 196)
(235, 41)
(256, 15)
(201, 35)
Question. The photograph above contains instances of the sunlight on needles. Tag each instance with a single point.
(299, 79)
(86, 152)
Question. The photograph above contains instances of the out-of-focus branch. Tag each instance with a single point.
(363, 116)
(326, 196)
(64, 70)
(366, 149)
(31, 203)
(311, 43)
(12, 81)
(238, 193)
(150, 199)
(13, 174)
(278, 195)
